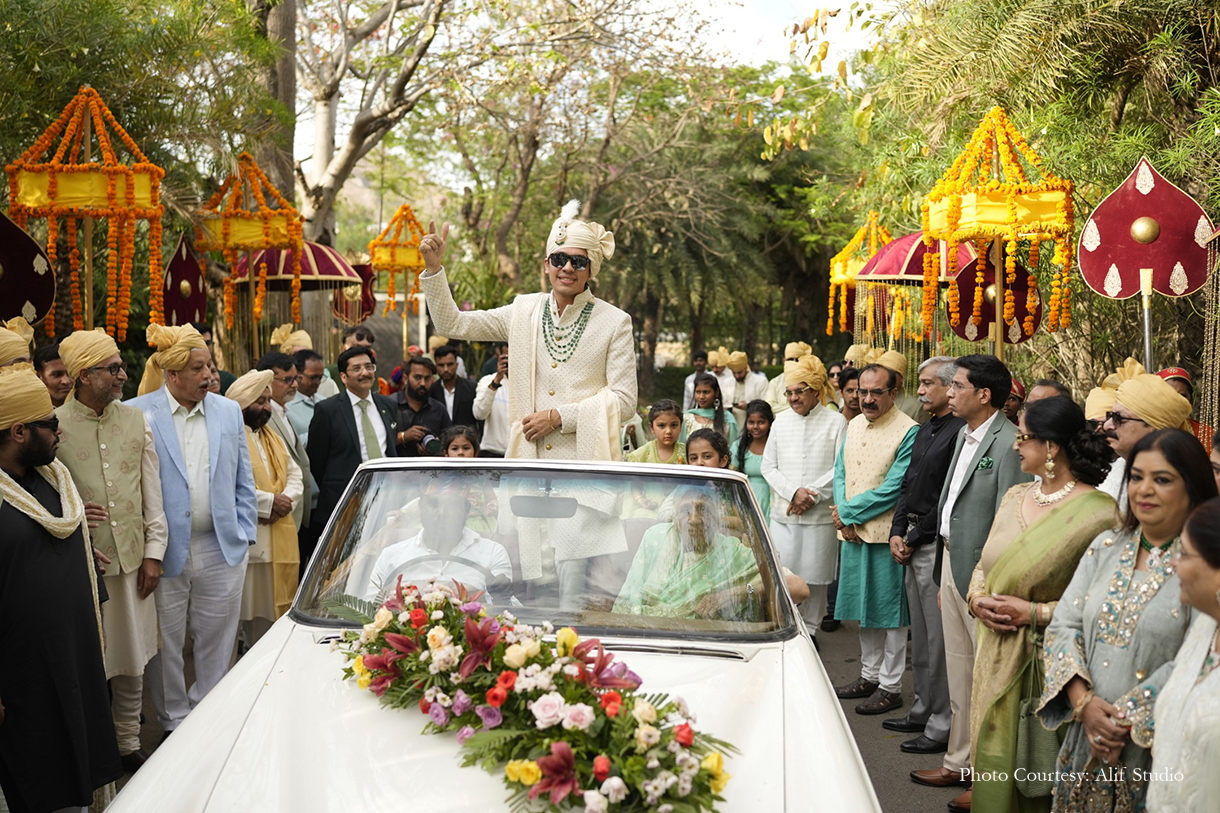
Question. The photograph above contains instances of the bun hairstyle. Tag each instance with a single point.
(718, 442)
(1060, 420)
(718, 414)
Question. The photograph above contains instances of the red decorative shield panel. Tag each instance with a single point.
(186, 300)
(1110, 255)
(967, 283)
(27, 285)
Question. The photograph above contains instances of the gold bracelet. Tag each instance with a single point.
(1035, 615)
(552, 423)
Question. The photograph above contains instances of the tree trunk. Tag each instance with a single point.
(279, 22)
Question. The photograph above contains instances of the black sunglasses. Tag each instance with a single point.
(559, 260)
(113, 369)
(51, 423)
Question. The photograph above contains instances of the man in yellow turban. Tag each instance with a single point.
(793, 351)
(855, 355)
(905, 402)
(207, 488)
(746, 386)
(16, 339)
(55, 705)
(718, 363)
(1142, 404)
(798, 464)
(291, 340)
(125, 500)
(271, 576)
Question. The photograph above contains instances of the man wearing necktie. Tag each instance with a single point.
(348, 429)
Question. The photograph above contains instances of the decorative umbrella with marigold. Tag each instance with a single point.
(987, 196)
(58, 178)
(846, 264)
(393, 253)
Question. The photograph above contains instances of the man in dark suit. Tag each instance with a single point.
(454, 391)
(984, 466)
(348, 429)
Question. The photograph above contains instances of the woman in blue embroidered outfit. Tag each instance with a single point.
(1110, 646)
(1041, 531)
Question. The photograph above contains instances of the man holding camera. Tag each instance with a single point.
(421, 418)
(491, 405)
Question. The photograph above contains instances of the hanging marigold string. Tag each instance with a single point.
(980, 280)
(931, 274)
(78, 319)
(156, 277)
(260, 292)
(52, 171)
(847, 263)
(1031, 290)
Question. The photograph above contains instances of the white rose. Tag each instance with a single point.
(595, 802)
(549, 709)
(438, 615)
(579, 717)
(514, 656)
(438, 637)
(404, 617)
(643, 712)
(531, 647)
(614, 789)
(646, 736)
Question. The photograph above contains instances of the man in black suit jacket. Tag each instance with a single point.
(348, 429)
(454, 391)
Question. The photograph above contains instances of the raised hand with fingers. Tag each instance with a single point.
(432, 247)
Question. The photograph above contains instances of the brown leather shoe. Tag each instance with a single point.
(940, 777)
(879, 702)
(852, 691)
(962, 803)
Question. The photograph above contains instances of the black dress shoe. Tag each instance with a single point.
(830, 624)
(924, 745)
(133, 761)
(903, 725)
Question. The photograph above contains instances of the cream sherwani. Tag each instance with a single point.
(800, 453)
(775, 394)
(594, 390)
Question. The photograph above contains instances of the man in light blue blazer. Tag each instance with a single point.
(208, 489)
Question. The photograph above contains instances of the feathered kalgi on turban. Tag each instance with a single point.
(1154, 402)
(810, 371)
(250, 387)
(174, 346)
(15, 338)
(84, 349)
(569, 232)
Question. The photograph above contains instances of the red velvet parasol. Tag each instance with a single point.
(353, 305)
(902, 260)
(321, 266)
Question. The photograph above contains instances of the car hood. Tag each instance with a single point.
(284, 731)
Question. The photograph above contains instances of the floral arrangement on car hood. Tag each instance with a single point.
(566, 722)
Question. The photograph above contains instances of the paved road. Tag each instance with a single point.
(888, 766)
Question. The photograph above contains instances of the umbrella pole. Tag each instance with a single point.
(1146, 291)
(88, 223)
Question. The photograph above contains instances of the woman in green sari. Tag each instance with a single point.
(1039, 534)
(709, 412)
(688, 568)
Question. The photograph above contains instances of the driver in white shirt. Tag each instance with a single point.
(468, 557)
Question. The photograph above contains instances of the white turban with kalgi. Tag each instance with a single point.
(174, 346)
(569, 232)
(250, 387)
(16, 336)
(810, 371)
(84, 349)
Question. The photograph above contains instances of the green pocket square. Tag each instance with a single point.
(985, 463)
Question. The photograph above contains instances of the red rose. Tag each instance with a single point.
(684, 735)
(611, 701)
(506, 680)
(419, 618)
(601, 767)
(424, 705)
(496, 696)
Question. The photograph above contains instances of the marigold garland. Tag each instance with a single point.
(980, 280)
(971, 174)
(53, 259)
(391, 252)
(24, 173)
(841, 278)
(260, 292)
(227, 207)
(78, 319)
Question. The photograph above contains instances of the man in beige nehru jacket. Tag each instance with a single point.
(108, 447)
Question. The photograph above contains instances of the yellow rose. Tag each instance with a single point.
(512, 771)
(713, 763)
(566, 640)
(718, 782)
(358, 666)
(530, 773)
(531, 648)
(514, 656)
(364, 681)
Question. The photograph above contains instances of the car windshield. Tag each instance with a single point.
(619, 552)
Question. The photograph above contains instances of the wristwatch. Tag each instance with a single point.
(494, 385)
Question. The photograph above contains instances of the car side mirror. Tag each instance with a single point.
(543, 507)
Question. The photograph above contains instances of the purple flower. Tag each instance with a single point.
(490, 715)
(620, 670)
(471, 608)
(464, 733)
(461, 703)
(439, 714)
(495, 626)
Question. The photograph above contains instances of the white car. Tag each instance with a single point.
(556, 541)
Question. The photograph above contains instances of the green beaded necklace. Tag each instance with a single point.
(1155, 558)
(561, 342)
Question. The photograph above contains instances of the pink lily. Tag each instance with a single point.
(481, 640)
(599, 671)
(559, 774)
